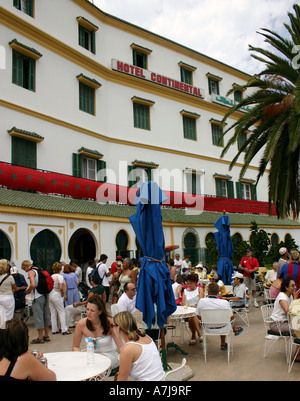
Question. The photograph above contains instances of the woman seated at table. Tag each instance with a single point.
(16, 362)
(281, 306)
(98, 325)
(191, 296)
(139, 357)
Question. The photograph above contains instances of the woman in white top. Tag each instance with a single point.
(7, 288)
(281, 306)
(100, 327)
(139, 356)
(56, 301)
(191, 296)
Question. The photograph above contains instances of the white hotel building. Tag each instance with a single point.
(82, 91)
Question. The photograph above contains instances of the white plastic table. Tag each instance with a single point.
(72, 366)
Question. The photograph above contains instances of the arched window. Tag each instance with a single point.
(191, 248)
(122, 244)
(274, 239)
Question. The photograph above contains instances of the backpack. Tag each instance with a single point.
(45, 281)
(95, 273)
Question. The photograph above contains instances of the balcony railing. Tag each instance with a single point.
(24, 178)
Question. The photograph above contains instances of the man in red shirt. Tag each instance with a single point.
(249, 265)
(114, 264)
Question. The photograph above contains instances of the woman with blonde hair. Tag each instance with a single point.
(139, 357)
(7, 289)
(56, 301)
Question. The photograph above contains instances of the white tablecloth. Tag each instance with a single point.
(72, 366)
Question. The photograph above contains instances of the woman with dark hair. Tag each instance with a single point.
(281, 306)
(191, 296)
(16, 361)
(98, 326)
(139, 357)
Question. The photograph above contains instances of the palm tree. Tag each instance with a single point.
(274, 116)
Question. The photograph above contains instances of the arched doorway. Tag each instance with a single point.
(191, 247)
(122, 244)
(45, 249)
(82, 246)
(5, 248)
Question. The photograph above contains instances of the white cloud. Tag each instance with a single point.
(221, 29)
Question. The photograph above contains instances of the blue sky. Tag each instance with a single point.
(221, 29)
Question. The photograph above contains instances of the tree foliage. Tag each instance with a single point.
(273, 118)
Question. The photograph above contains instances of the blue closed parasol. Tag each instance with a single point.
(154, 282)
(224, 243)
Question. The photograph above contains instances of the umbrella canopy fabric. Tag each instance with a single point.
(154, 281)
(224, 243)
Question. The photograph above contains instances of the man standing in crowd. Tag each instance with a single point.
(249, 265)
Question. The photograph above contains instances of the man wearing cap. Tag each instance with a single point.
(284, 255)
(249, 265)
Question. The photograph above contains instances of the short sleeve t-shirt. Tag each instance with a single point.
(249, 264)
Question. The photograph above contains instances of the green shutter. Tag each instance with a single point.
(230, 189)
(134, 57)
(77, 165)
(238, 190)
(31, 79)
(30, 7)
(253, 192)
(86, 99)
(93, 42)
(132, 179)
(209, 86)
(141, 116)
(189, 128)
(218, 188)
(23, 152)
(17, 72)
(101, 171)
(17, 4)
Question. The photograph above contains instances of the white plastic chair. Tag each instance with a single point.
(216, 322)
(267, 297)
(241, 311)
(176, 375)
(114, 309)
(294, 324)
(272, 337)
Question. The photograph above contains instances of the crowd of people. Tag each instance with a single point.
(78, 299)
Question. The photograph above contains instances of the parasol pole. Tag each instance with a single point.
(163, 349)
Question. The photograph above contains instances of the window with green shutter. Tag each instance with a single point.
(23, 152)
(238, 96)
(141, 116)
(213, 86)
(189, 128)
(217, 133)
(193, 183)
(26, 6)
(139, 59)
(242, 138)
(186, 76)
(23, 71)
(87, 38)
(88, 167)
(86, 98)
(224, 188)
(246, 191)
